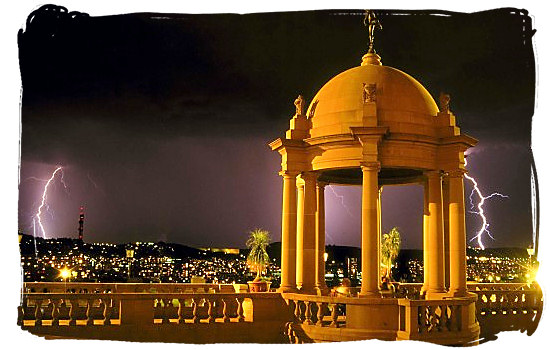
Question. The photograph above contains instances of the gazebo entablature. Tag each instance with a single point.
(375, 144)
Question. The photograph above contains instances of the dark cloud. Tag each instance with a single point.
(162, 120)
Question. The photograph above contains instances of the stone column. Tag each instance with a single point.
(457, 234)
(379, 225)
(425, 237)
(300, 232)
(320, 284)
(288, 233)
(307, 234)
(445, 192)
(369, 231)
(436, 248)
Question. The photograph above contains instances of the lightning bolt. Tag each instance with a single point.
(34, 236)
(485, 225)
(43, 202)
(341, 198)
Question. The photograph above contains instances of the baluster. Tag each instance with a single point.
(444, 321)
(421, 318)
(529, 305)
(55, 312)
(297, 311)
(506, 303)
(195, 307)
(240, 309)
(89, 313)
(62, 306)
(166, 303)
(38, 313)
(22, 310)
(73, 311)
(452, 318)
(288, 330)
(334, 316)
(320, 314)
(307, 313)
(433, 323)
(181, 316)
(292, 305)
(436, 319)
(20, 315)
(107, 311)
(225, 311)
(211, 318)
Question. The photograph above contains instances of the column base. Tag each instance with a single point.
(458, 293)
(287, 289)
(436, 294)
(423, 290)
(369, 294)
(322, 290)
(308, 290)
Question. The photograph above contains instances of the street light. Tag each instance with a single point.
(65, 273)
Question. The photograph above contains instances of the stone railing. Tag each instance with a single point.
(408, 290)
(330, 318)
(321, 311)
(179, 317)
(499, 299)
(205, 313)
(58, 309)
(502, 286)
(90, 287)
(447, 321)
(507, 307)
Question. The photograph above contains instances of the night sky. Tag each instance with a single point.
(161, 121)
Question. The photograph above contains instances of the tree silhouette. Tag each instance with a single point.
(390, 245)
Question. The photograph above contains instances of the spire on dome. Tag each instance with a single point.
(372, 23)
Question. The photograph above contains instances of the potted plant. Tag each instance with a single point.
(258, 259)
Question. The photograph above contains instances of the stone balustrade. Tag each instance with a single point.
(205, 313)
(321, 311)
(59, 309)
(330, 318)
(445, 321)
(507, 307)
(195, 317)
(91, 287)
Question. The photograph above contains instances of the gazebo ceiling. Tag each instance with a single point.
(386, 176)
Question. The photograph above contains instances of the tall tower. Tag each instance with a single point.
(81, 224)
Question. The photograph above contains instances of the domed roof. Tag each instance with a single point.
(402, 103)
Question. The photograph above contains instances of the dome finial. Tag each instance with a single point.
(372, 23)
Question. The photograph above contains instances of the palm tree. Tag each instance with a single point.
(390, 245)
(258, 259)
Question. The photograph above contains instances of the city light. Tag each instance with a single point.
(65, 273)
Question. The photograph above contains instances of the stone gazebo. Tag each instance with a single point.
(373, 126)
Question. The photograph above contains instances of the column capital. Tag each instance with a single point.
(309, 175)
(322, 184)
(370, 166)
(456, 173)
(288, 173)
(431, 174)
